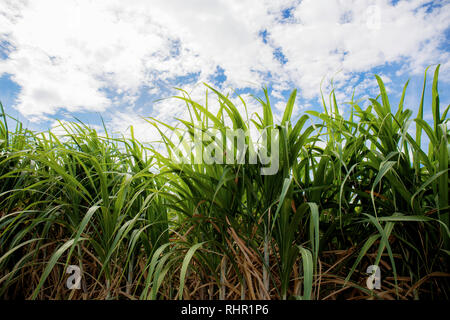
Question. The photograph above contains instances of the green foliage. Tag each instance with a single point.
(349, 192)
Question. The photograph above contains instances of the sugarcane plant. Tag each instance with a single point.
(301, 210)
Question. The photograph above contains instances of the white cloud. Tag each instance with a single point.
(78, 54)
(121, 123)
(334, 35)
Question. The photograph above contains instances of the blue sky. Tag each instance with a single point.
(117, 59)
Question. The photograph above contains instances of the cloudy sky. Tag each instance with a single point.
(118, 59)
